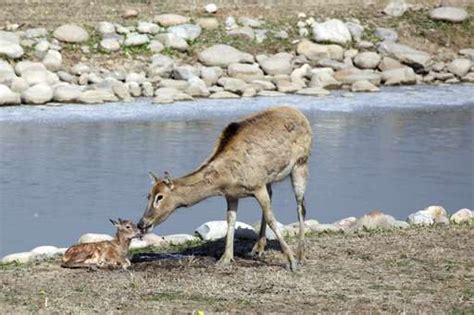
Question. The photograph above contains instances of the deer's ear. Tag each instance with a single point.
(113, 222)
(168, 181)
(155, 178)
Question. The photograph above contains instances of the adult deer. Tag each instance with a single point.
(248, 157)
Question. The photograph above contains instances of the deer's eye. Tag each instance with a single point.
(128, 226)
(158, 198)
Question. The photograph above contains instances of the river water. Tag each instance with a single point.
(64, 170)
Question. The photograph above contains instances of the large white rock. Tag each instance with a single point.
(404, 75)
(210, 8)
(459, 67)
(110, 44)
(429, 216)
(450, 14)
(170, 19)
(67, 93)
(33, 77)
(210, 75)
(10, 49)
(8, 97)
(97, 96)
(233, 85)
(19, 85)
(351, 75)
(378, 220)
(246, 72)
(462, 216)
(405, 54)
(316, 52)
(268, 231)
(214, 230)
(105, 28)
(223, 55)
(71, 33)
(396, 8)
(53, 60)
(245, 31)
(367, 60)
(324, 79)
(148, 28)
(166, 95)
(24, 66)
(386, 34)
(7, 74)
(197, 87)
(42, 252)
(314, 91)
(207, 23)
(21, 258)
(364, 86)
(332, 31)
(224, 95)
(177, 239)
(172, 41)
(94, 237)
(36, 32)
(277, 64)
(37, 94)
(188, 32)
(135, 39)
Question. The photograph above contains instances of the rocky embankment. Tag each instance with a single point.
(174, 58)
(215, 230)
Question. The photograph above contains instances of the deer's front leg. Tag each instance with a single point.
(228, 255)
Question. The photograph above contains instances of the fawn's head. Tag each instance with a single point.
(126, 229)
(161, 203)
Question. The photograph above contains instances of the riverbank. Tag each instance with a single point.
(414, 270)
(225, 53)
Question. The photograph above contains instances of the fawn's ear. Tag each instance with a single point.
(168, 181)
(155, 178)
(115, 223)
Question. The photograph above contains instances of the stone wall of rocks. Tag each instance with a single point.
(215, 230)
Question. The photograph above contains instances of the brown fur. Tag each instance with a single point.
(248, 156)
(105, 254)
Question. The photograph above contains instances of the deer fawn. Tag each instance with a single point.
(105, 254)
(248, 157)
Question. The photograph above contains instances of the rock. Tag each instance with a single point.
(110, 44)
(316, 52)
(170, 19)
(356, 30)
(438, 67)
(412, 57)
(71, 33)
(197, 87)
(266, 93)
(364, 44)
(429, 216)
(263, 85)
(245, 31)
(260, 36)
(462, 216)
(19, 85)
(250, 22)
(364, 86)
(313, 91)
(147, 89)
(67, 93)
(177, 239)
(80, 68)
(53, 60)
(332, 31)
(223, 55)
(37, 94)
(459, 67)
(129, 13)
(345, 223)
(324, 79)
(367, 60)
(135, 39)
(40, 76)
(185, 72)
(233, 85)
(246, 72)
(450, 14)
(148, 28)
(172, 41)
(161, 66)
(277, 64)
(351, 75)
(388, 63)
(377, 220)
(208, 23)
(335, 65)
(468, 53)
(224, 95)
(97, 96)
(268, 231)
(8, 97)
(210, 8)
(42, 252)
(214, 230)
(9, 37)
(188, 32)
(285, 86)
(134, 88)
(230, 23)
(36, 32)
(138, 244)
(386, 34)
(153, 240)
(156, 46)
(7, 74)
(396, 8)
(468, 77)
(21, 258)
(299, 75)
(210, 75)
(121, 90)
(280, 34)
(166, 95)
(105, 28)
(41, 48)
(175, 84)
(92, 237)
(249, 92)
(10, 49)
(398, 76)
(325, 228)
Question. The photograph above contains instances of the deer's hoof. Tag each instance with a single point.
(225, 261)
(293, 266)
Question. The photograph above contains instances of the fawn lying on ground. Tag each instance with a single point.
(105, 254)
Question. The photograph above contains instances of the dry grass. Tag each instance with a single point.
(417, 270)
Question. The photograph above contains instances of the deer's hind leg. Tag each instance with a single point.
(259, 247)
(299, 176)
(228, 255)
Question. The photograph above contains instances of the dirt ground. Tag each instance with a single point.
(417, 270)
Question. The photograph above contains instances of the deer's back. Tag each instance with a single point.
(92, 252)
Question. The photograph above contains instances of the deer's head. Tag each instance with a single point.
(161, 203)
(126, 229)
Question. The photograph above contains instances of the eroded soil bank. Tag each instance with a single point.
(415, 270)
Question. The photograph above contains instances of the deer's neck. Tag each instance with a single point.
(122, 242)
(197, 186)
